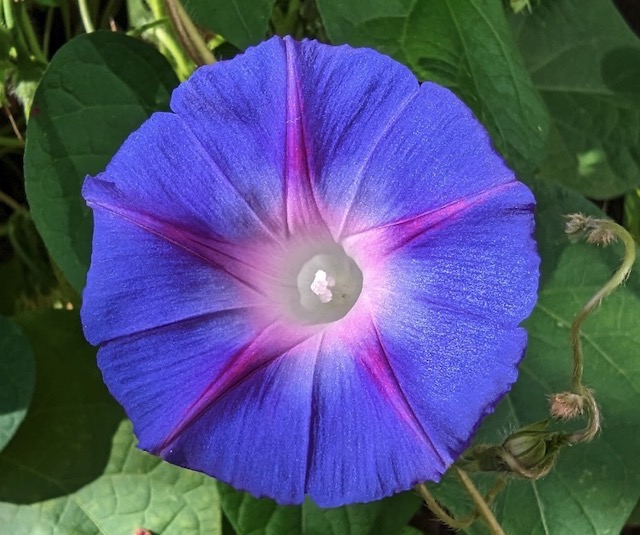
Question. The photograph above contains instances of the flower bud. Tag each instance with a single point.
(532, 450)
(528, 446)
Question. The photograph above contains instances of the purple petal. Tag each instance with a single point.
(385, 149)
(349, 433)
(367, 442)
(483, 262)
(350, 99)
(302, 211)
(476, 256)
(139, 280)
(256, 435)
(435, 153)
(449, 309)
(162, 170)
(247, 113)
(452, 369)
(159, 375)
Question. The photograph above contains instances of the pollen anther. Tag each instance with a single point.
(328, 284)
(321, 284)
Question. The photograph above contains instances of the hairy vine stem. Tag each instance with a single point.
(599, 232)
(466, 521)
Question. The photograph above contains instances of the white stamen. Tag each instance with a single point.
(321, 284)
(328, 283)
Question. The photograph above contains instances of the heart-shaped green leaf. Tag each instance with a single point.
(249, 515)
(585, 62)
(97, 89)
(594, 486)
(466, 46)
(72, 467)
(17, 378)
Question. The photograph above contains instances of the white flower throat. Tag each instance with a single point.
(329, 284)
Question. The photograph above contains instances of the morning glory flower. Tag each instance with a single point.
(308, 277)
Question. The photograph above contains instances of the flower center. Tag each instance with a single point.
(329, 284)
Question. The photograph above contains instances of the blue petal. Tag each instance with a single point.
(237, 110)
(435, 153)
(476, 255)
(256, 435)
(162, 170)
(449, 325)
(366, 440)
(453, 369)
(326, 419)
(283, 139)
(160, 375)
(384, 148)
(138, 281)
(349, 100)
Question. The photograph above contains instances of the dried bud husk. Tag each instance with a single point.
(601, 236)
(576, 225)
(596, 231)
(566, 405)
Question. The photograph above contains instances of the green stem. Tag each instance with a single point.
(618, 278)
(12, 203)
(12, 122)
(188, 34)
(46, 37)
(442, 515)
(8, 14)
(480, 503)
(285, 23)
(11, 142)
(597, 231)
(29, 34)
(85, 15)
(183, 64)
(292, 16)
(445, 517)
(149, 26)
(19, 250)
(594, 421)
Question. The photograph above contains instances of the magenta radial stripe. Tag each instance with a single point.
(377, 365)
(232, 258)
(300, 202)
(392, 236)
(272, 343)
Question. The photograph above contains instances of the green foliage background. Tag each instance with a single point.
(558, 87)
